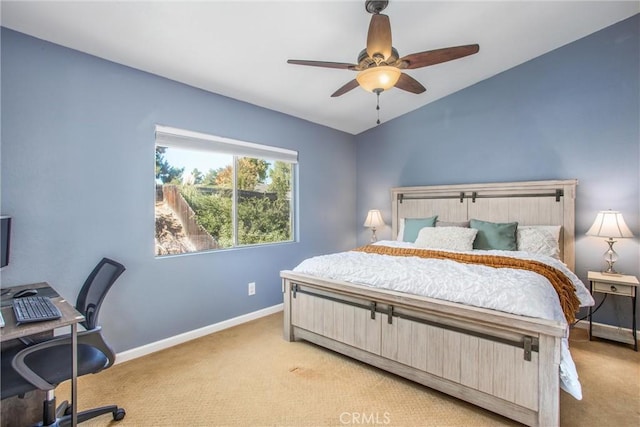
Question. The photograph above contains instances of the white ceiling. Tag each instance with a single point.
(239, 48)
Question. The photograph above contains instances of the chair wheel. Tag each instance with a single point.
(119, 414)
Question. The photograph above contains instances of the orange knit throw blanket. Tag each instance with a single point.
(561, 283)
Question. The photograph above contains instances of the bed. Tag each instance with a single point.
(510, 363)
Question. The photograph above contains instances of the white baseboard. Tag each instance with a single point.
(146, 349)
(613, 333)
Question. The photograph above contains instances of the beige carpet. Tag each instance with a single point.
(249, 376)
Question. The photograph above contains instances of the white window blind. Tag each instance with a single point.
(185, 139)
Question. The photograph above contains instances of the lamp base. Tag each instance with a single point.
(610, 257)
(611, 273)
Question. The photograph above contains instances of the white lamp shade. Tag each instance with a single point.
(374, 219)
(609, 224)
(381, 77)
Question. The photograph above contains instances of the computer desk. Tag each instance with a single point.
(70, 317)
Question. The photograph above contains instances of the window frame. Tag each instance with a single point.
(171, 137)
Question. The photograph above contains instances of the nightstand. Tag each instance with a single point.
(622, 285)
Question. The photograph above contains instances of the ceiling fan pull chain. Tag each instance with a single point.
(378, 106)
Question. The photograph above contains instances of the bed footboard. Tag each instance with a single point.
(505, 363)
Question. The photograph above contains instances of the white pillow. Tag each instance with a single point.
(539, 239)
(449, 238)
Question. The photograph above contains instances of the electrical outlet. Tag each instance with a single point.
(252, 288)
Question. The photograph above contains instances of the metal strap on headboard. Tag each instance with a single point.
(474, 195)
(460, 196)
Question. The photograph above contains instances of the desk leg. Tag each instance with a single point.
(634, 330)
(74, 375)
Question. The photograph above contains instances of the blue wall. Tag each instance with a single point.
(78, 178)
(572, 113)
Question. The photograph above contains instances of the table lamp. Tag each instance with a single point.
(374, 219)
(610, 224)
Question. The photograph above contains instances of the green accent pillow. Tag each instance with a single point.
(412, 227)
(495, 235)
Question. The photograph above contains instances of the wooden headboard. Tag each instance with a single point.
(528, 203)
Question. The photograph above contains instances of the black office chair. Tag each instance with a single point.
(46, 364)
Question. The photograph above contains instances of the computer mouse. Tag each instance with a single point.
(25, 293)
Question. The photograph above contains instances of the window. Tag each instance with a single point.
(216, 193)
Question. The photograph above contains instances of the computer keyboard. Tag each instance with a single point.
(35, 309)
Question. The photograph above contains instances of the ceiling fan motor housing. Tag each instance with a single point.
(365, 61)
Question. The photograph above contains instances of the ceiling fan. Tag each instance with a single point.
(380, 66)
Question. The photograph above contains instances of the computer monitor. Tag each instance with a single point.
(5, 234)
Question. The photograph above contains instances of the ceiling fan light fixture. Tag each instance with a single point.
(378, 78)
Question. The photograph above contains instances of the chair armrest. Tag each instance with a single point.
(27, 340)
(91, 337)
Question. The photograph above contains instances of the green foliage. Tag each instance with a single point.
(210, 178)
(260, 219)
(213, 212)
(198, 177)
(280, 179)
(164, 171)
(251, 172)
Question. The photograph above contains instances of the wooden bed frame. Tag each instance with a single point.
(505, 363)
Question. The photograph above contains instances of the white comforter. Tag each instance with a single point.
(510, 290)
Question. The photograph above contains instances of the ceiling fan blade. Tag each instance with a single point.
(432, 57)
(408, 83)
(346, 88)
(339, 65)
(379, 36)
